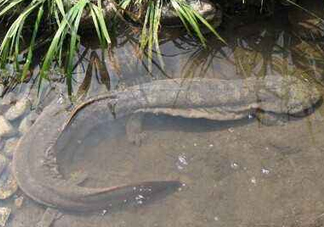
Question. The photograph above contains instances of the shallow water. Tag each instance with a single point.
(234, 173)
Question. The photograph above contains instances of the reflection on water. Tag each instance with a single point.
(235, 173)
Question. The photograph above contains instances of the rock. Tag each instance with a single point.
(18, 109)
(9, 99)
(10, 147)
(205, 8)
(3, 163)
(4, 215)
(19, 201)
(27, 122)
(1, 88)
(8, 184)
(6, 129)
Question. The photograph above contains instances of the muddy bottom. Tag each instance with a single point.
(234, 173)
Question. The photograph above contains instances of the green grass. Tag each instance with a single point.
(66, 38)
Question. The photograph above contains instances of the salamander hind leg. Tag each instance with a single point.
(134, 131)
(271, 119)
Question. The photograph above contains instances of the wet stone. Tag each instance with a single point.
(6, 129)
(8, 184)
(27, 122)
(10, 147)
(4, 215)
(3, 163)
(18, 109)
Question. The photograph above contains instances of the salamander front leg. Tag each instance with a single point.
(134, 131)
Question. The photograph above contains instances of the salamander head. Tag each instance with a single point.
(301, 96)
(288, 95)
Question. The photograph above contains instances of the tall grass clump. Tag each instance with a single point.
(65, 18)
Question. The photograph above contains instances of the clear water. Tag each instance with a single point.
(234, 173)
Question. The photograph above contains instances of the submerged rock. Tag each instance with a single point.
(18, 109)
(4, 215)
(6, 129)
(8, 184)
(27, 122)
(10, 146)
(208, 10)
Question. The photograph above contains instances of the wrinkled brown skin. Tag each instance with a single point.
(34, 161)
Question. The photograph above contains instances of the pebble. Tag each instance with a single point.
(8, 184)
(27, 122)
(253, 180)
(3, 163)
(19, 201)
(234, 165)
(6, 129)
(18, 109)
(4, 215)
(10, 147)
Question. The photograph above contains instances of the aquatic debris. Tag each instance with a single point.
(306, 21)
(4, 215)
(182, 161)
(18, 109)
(8, 184)
(6, 129)
(48, 218)
(19, 201)
(265, 171)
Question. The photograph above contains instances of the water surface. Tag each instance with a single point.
(234, 173)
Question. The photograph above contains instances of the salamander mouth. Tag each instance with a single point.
(318, 101)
